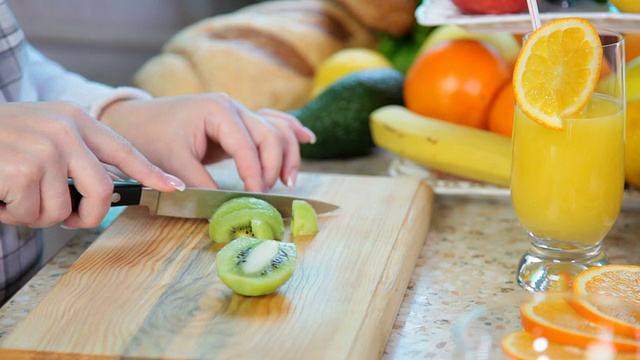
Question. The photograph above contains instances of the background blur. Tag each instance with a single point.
(108, 40)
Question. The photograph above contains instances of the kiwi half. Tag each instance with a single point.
(253, 267)
(246, 216)
(304, 219)
(261, 230)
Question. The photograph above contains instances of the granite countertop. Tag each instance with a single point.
(468, 259)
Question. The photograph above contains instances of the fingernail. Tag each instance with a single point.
(312, 134)
(291, 181)
(67, 227)
(175, 182)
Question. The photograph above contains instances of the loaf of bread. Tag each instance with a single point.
(395, 17)
(263, 55)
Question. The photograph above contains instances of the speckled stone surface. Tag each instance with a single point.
(469, 259)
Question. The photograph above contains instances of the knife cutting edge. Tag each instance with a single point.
(197, 203)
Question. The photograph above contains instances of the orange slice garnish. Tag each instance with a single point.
(621, 282)
(557, 321)
(523, 345)
(557, 70)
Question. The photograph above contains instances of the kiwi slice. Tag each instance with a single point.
(254, 267)
(304, 219)
(261, 230)
(234, 218)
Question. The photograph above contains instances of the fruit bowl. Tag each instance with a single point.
(438, 12)
(541, 326)
(447, 184)
(444, 183)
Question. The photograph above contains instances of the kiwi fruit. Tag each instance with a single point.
(304, 219)
(261, 230)
(246, 216)
(254, 267)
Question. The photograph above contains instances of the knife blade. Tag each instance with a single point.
(196, 203)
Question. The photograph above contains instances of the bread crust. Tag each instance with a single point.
(264, 55)
(164, 69)
(395, 17)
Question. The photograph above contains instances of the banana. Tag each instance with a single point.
(456, 149)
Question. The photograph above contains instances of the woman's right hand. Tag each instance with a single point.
(43, 144)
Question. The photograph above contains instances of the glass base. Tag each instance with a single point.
(552, 270)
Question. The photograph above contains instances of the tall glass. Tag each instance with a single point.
(567, 185)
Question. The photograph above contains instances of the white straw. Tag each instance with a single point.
(534, 13)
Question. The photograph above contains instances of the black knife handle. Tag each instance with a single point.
(124, 193)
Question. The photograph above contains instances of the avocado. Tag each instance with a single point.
(339, 116)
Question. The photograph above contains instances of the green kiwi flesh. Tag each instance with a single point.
(304, 219)
(261, 230)
(254, 267)
(234, 218)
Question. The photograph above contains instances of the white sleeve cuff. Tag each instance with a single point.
(119, 93)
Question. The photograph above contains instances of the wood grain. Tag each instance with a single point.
(147, 288)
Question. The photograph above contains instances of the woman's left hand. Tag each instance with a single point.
(181, 134)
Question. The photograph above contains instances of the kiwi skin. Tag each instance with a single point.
(270, 277)
(233, 218)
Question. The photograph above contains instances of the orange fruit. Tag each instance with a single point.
(523, 345)
(556, 320)
(502, 109)
(456, 81)
(631, 46)
(557, 70)
(505, 43)
(619, 281)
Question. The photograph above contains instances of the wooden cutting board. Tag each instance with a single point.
(147, 288)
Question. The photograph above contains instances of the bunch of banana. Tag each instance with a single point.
(460, 150)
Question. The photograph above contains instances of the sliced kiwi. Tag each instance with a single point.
(234, 218)
(304, 219)
(253, 267)
(261, 230)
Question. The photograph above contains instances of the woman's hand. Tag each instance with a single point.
(181, 134)
(43, 144)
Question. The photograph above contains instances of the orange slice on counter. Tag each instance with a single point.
(619, 281)
(557, 70)
(557, 321)
(523, 345)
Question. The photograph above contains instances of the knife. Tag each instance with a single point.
(196, 203)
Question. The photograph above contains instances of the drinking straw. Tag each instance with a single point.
(534, 14)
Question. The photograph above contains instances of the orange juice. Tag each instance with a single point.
(567, 184)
